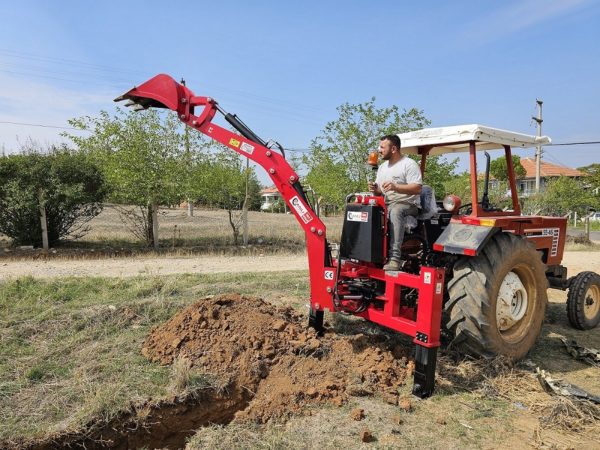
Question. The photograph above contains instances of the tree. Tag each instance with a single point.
(438, 172)
(499, 169)
(337, 159)
(224, 186)
(562, 196)
(143, 157)
(459, 185)
(593, 172)
(64, 184)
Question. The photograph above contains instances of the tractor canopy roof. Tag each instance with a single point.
(456, 139)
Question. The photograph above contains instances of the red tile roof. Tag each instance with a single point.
(548, 169)
(269, 190)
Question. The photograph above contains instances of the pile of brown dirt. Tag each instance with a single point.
(271, 354)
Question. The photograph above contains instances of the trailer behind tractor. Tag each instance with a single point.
(480, 271)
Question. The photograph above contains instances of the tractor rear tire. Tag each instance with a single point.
(479, 323)
(583, 301)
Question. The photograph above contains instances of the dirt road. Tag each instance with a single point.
(128, 267)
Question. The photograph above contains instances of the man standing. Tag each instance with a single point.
(399, 180)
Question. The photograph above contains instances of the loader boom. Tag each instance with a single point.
(162, 91)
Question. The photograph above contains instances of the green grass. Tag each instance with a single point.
(70, 350)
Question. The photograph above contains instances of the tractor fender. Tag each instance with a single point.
(464, 239)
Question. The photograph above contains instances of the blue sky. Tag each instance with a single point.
(284, 67)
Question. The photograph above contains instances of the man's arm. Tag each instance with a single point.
(410, 188)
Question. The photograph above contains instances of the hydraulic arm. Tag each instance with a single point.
(162, 91)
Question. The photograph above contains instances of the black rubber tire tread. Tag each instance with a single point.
(472, 295)
(576, 301)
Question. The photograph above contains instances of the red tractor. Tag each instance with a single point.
(484, 269)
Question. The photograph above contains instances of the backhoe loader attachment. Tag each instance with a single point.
(161, 91)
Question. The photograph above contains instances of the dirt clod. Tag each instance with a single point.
(271, 355)
(357, 414)
(397, 419)
(390, 398)
(279, 325)
(440, 420)
(405, 404)
(366, 436)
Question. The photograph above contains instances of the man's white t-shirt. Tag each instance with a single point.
(404, 171)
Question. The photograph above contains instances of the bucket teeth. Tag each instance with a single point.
(130, 103)
(138, 107)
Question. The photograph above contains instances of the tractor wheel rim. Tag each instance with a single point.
(512, 302)
(592, 302)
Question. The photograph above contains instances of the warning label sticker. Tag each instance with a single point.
(358, 216)
(300, 209)
(427, 278)
(234, 142)
(247, 148)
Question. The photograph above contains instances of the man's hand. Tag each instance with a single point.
(402, 188)
(389, 186)
(374, 188)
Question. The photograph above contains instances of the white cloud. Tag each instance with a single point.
(516, 17)
(37, 102)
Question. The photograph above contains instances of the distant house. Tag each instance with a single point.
(269, 197)
(526, 184)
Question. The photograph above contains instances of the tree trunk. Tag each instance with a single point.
(149, 226)
(155, 225)
(245, 220)
(233, 227)
(190, 208)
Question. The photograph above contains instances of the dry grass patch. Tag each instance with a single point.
(207, 232)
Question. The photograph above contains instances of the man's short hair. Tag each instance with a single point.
(393, 138)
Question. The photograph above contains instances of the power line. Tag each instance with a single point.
(298, 150)
(41, 125)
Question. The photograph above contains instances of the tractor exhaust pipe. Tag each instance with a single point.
(485, 201)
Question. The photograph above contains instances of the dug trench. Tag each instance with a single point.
(270, 366)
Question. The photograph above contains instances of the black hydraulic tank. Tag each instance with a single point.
(362, 234)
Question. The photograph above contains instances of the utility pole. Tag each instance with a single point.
(245, 207)
(188, 162)
(538, 151)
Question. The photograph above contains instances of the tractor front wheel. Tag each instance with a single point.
(497, 299)
(583, 301)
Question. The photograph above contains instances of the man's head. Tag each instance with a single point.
(389, 147)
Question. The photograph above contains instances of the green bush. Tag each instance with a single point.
(66, 183)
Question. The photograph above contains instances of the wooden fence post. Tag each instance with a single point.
(43, 220)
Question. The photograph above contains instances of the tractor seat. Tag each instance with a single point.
(427, 210)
